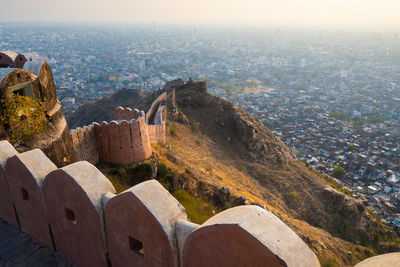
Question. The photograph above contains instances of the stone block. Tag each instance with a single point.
(73, 196)
(246, 236)
(7, 212)
(140, 226)
(25, 174)
(384, 260)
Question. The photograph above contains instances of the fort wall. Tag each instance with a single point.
(126, 139)
(157, 133)
(85, 145)
(127, 113)
(76, 209)
(156, 120)
(123, 142)
(154, 107)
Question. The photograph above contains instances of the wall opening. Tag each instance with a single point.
(70, 215)
(19, 92)
(136, 246)
(25, 195)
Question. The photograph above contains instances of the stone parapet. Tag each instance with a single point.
(76, 209)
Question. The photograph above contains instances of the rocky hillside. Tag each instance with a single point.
(218, 156)
(229, 148)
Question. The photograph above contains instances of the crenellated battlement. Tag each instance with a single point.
(75, 210)
(123, 142)
(127, 113)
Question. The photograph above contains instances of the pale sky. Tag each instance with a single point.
(367, 14)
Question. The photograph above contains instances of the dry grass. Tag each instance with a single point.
(221, 166)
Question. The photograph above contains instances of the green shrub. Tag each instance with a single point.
(162, 170)
(140, 173)
(338, 172)
(188, 171)
(329, 208)
(197, 210)
(122, 171)
(25, 115)
(321, 225)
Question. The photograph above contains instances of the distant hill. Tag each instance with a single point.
(103, 110)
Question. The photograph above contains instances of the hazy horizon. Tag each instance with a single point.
(373, 15)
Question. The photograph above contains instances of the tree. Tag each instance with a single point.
(339, 171)
(24, 115)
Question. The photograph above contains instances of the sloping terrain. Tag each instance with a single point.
(224, 146)
(218, 156)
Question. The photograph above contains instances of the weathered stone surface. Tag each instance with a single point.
(25, 173)
(47, 88)
(182, 230)
(142, 217)
(6, 206)
(123, 142)
(223, 239)
(385, 260)
(126, 143)
(73, 196)
(85, 144)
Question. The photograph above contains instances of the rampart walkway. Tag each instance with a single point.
(18, 249)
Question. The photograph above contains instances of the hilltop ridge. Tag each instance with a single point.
(236, 151)
(220, 153)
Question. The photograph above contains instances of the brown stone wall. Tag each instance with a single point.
(143, 226)
(127, 155)
(127, 217)
(157, 130)
(19, 61)
(7, 212)
(47, 88)
(127, 114)
(85, 145)
(6, 60)
(75, 212)
(157, 133)
(246, 236)
(25, 173)
(123, 142)
(210, 247)
(154, 107)
(6, 207)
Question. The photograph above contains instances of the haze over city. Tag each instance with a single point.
(212, 133)
(377, 15)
